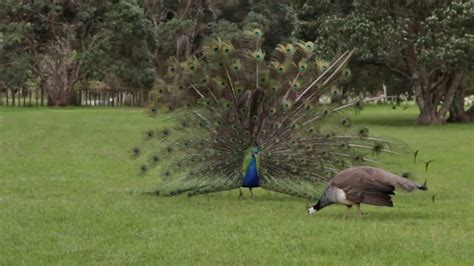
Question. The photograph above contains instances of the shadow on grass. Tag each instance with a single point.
(373, 215)
(388, 121)
(261, 196)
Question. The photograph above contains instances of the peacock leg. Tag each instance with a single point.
(251, 193)
(348, 210)
(241, 195)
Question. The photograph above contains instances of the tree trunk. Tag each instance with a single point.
(434, 93)
(66, 99)
(429, 115)
(62, 74)
(456, 110)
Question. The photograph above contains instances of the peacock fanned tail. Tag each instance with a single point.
(233, 98)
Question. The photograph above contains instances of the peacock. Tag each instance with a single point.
(232, 116)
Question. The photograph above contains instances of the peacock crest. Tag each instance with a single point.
(234, 102)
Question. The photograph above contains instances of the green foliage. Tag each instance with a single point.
(441, 32)
(97, 40)
(427, 45)
(127, 50)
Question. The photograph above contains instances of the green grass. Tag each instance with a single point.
(70, 195)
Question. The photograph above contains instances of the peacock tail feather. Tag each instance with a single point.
(233, 98)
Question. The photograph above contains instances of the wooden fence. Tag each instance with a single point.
(108, 98)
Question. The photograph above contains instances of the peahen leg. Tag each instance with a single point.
(358, 212)
(348, 210)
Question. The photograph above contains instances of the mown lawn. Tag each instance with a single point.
(70, 195)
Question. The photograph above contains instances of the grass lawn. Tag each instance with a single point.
(70, 195)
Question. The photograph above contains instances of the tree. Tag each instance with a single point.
(427, 43)
(181, 26)
(51, 38)
(65, 42)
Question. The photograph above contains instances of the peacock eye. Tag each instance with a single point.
(135, 152)
(150, 133)
(143, 169)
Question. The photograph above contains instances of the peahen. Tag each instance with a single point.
(232, 117)
(364, 184)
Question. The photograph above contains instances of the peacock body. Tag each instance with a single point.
(238, 119)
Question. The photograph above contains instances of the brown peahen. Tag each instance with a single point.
(364, 184)
(236, 118)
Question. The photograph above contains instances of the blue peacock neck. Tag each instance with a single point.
(251, 178)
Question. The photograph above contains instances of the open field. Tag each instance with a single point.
(70, 195)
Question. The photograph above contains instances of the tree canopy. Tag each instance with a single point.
(420, 48)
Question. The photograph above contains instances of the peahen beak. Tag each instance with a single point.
(313, 209)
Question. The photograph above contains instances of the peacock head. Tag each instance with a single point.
(255, 150)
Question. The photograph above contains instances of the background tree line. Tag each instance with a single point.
(423, 48)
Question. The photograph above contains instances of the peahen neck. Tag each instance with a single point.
(251, 178)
